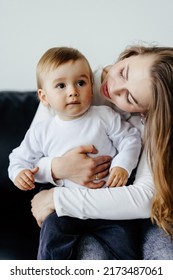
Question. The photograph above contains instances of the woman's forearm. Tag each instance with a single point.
(129, 202)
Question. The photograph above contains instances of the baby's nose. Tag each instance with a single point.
(73, 94)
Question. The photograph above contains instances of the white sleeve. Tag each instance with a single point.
(131, 202)
(126, 139)
(45, 174)
(44, 163)
(24, 156)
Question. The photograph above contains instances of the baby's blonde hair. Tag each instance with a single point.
(55, 57)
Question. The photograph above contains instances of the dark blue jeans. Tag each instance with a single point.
(60, 236)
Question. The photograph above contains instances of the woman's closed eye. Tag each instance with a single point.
(132, 101)
(129, 99)
(122, 73)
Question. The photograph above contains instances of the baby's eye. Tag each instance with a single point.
(81, 83)
(61, 85)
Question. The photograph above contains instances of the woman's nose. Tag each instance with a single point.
(116, 86)
(120, 92)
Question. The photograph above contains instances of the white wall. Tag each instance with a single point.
(98, 28)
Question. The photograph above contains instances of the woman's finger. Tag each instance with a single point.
(102, 167)
(100, 175)
(95, 185)
(102, 162)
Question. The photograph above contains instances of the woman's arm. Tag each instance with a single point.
(131, 202)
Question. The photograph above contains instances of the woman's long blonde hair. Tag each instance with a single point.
(159, 131)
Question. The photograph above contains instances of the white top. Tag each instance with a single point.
(100, 126)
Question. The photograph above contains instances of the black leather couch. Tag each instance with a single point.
(19, 232)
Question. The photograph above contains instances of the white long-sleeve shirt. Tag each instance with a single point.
(100, 126)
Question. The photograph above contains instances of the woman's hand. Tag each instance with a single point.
(42, 205)
(80, 168)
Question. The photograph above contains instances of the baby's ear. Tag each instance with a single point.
(42, 96)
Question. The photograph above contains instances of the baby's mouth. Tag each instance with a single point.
(73, 103)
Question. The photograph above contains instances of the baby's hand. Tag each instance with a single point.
(25, 179)
(118, 177)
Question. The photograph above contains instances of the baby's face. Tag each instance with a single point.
(68, 89)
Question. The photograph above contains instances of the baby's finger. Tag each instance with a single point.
(114, 183)
(25, 183)
(118, 182)
(110, 180)
(124, 182)
(34, 170)
(29, 179)
(20, 185)
(28, 175)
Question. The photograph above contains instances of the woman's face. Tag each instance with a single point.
(128, 84)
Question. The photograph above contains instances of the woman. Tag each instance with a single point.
(140, 82)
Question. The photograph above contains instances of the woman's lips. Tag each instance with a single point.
(105, 91)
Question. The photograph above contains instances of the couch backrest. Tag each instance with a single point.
(17, 110)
